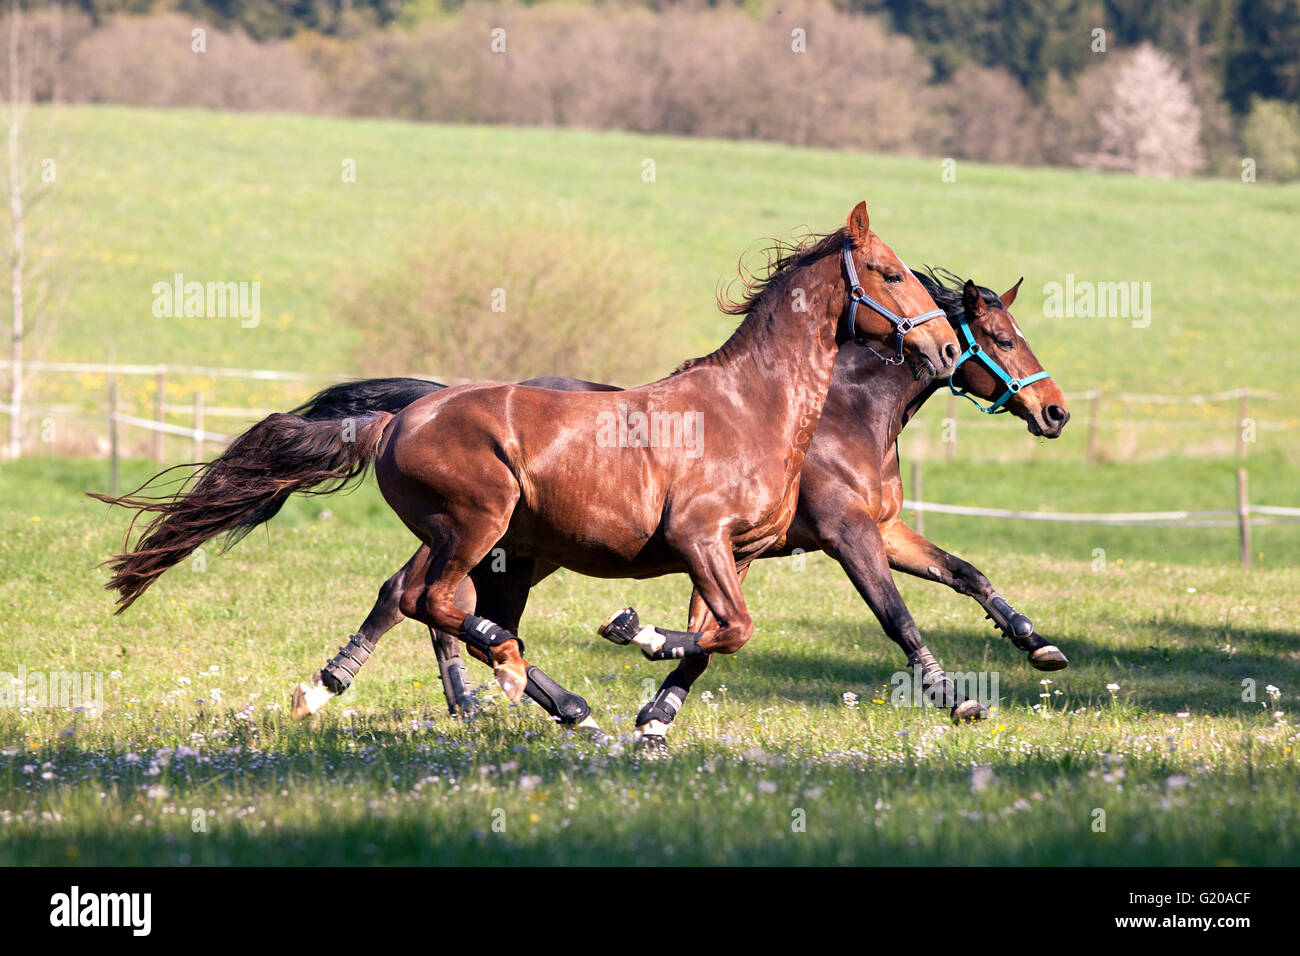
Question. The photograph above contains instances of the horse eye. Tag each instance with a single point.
(893, 277)
(1005, 344)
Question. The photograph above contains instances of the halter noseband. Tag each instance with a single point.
(901, 324)
(973, 351)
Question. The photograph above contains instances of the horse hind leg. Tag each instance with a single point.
(501, 594)
(338, 673)
(563, 705)
(439, 601)
(451, 669)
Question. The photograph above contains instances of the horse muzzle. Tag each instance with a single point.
(1049, 421)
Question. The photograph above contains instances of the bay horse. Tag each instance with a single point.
(850, 502)
(558, 477)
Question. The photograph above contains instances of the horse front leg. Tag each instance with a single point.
(725, 628)
(913, 554)
(712, 570)
(855, 542)
(659, 712)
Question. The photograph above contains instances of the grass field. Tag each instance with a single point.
(145, 194)
(195, 761)
(197, 676)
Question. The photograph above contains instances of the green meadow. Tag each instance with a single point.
(767, 763)
(142, 195)
(1170, 740)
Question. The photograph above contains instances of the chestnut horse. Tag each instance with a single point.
(565, 478)
(850, 500)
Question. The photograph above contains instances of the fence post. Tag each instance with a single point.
(160, 415)
(919, 519)
(15, 441)
(113, 451)
(1094, 406)
(198, 426)
(1243, 412)
(1243, 516)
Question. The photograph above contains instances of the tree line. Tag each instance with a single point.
(1175, 88)
(1250, 47)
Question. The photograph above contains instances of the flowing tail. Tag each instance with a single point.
(323, 446)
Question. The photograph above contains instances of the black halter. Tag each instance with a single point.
(901, 324)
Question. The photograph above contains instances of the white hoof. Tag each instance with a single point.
(309, 698)
(588, 723)
(510, 683)
(653, 728)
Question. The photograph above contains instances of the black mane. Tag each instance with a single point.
(946, 289)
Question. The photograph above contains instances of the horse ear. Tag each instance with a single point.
(1010, 295)
(859, 224)
(971, 300)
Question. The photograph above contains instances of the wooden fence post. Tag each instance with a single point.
(113, 449)
(1243, 516)
(1094, 406)
(198, 426)
(160, 416)
(919, 520)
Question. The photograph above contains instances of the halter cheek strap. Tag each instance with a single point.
(972, 350)
(857, 295)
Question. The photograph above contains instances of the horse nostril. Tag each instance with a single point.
(1056, 414)
(950, 352)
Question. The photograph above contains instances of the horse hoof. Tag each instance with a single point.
(589, 724)
(942, 693)
(621, 627)
(307, 698)
(653, 743)
(1049, 658)
(466, 709)
(969, 710)
(512, 682)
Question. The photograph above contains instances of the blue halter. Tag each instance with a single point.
(973, 351)
(901, 324)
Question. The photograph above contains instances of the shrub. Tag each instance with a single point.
(1271, 136)
(566, 303)
(149, 61)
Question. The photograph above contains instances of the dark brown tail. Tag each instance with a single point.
(231, 495)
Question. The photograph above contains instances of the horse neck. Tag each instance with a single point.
(782, 359)
(883, 398)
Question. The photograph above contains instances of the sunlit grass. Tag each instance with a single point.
(767, 763)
